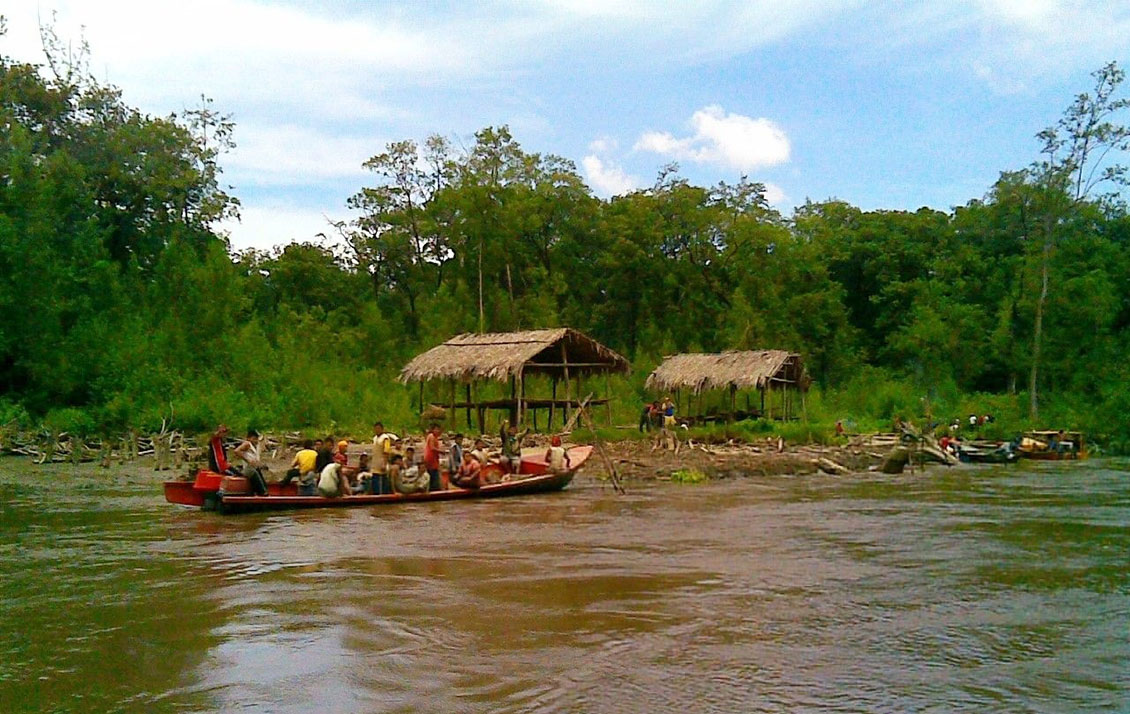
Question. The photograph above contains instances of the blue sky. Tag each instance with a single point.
(883, 104)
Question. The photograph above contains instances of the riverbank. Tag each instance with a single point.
(633, 459)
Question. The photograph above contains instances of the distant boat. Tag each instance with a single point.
(987, 453)
(231, 494)
(1048, 445)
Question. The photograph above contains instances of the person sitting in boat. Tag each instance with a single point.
(303, 468)
(253, 466)
(469, 473)
(512, 447)
(325, 449)
(331, 482)
(409, 477)
(455, 454)
(341, 456)
(363, 478)
(556, 457)
(217, 456)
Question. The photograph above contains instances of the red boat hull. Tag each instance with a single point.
(205, 490)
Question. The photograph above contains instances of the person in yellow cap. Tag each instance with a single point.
(341, 456)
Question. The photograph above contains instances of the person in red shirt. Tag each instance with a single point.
(432, 451)
(217, 457)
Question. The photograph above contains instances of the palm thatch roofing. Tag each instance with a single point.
(750, 369)
(501, 355)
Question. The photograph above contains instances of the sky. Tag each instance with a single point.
(884, 104)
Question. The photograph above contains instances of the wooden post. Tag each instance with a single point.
(468, 405)
(733, 402)
(521, 398)
(552, 402)
(762, 390)
(421, 407)
(451, 408)
(513, 402)
(568, 384)
(608, 397)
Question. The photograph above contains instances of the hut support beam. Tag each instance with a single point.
(608, 398)
(468, 405)
(568, 384)
(552, 402)
(451, 410)
(733, 403)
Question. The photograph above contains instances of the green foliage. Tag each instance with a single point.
(688, 476)
(120, 306)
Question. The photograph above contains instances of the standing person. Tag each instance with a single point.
(645, 418)
(217, 456)
(668, 413)
(382, 450)
(512, 447)
(556, 457)
(248, 452)
(432, 451)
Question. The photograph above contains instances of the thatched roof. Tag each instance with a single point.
(751, 369)
(501, 355)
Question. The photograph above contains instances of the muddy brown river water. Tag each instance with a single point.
(968, 589)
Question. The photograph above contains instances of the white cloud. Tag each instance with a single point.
(774, 194)
(730, 140)
(266, 225)
(288, 155)
(607, 178)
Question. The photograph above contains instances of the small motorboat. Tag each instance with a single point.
(232, 494)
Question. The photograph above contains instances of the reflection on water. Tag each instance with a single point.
(968, 589)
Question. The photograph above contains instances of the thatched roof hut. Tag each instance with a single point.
(749, 369)
(557, 354)
(501, 355)
(763, 370)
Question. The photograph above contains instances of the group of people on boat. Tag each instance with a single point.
(322, 467)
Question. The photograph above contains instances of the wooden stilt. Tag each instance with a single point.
(552, 403)
(468, 391)
(608, 398)
(733, 402)
(568, 383)
(451, 409)
(521, 398)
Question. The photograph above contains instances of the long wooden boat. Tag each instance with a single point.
(231, 494)
(1052, 446)
(987, 453)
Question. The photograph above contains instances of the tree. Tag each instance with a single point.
(1076, 161)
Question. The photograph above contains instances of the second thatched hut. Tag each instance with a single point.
(777, 376)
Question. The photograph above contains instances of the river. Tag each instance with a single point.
(968, 589)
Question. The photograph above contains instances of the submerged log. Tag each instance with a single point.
(896, 461)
